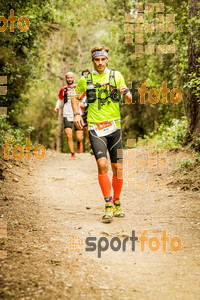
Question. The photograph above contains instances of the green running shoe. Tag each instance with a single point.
(108, 212)
(118, 212)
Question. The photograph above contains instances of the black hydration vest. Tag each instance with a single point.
(112, 91)
(66, 93)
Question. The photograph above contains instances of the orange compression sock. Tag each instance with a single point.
(117, 187)
(105, 184)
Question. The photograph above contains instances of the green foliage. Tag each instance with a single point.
(5, 292)
(188, 163)
(197, 159)
(17, 47)
(43, 96)
(17, 136)
(194, 83)
(170, 136)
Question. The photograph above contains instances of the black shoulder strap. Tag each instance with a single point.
(89, 80)
(112, 75)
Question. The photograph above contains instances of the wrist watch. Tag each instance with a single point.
(75, 114)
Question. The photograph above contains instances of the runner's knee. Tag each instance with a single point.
(117, 169)
(117, 166)
(79, 136)
(69, 135)
(102, 165)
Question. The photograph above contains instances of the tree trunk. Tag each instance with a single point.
(49, 58)
(193, 107)
(65, 62)
(80, 52)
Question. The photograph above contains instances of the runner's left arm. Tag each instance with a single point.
(128, 96)
(123, 88)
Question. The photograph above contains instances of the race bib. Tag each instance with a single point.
(105, 128)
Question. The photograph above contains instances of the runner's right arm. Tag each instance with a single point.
(59, 101)
(58, 104)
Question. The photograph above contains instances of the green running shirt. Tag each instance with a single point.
(108, 111)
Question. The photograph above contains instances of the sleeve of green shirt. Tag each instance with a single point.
(119, 79)
(81, 86)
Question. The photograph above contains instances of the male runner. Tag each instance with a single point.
(66, 94)
(104, 126)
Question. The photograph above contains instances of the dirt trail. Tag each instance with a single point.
(57, 199)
